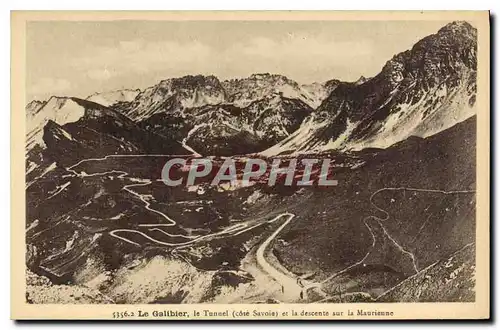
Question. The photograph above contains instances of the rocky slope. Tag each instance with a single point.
(419, 92)
(451, 279)
(61, 110)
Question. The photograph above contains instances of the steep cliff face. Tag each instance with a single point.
(419, 92)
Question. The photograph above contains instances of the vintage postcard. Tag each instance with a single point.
(250, 165)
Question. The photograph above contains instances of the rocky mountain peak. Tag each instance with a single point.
(361, 80)
(33, 107)
(58, 101)
(259, 80)
(192, 82)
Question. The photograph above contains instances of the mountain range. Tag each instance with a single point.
(419, 92)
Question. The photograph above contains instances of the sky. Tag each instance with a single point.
(68, 58)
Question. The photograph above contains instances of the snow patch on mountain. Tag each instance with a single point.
(110, 98)
(176, 94)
